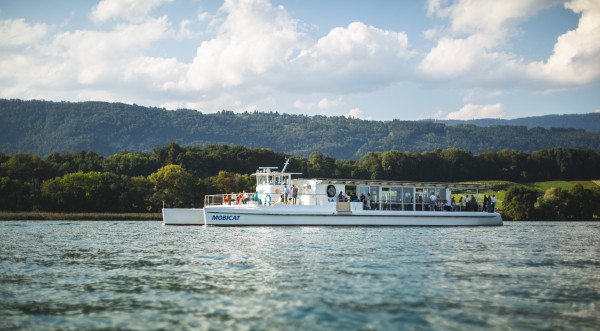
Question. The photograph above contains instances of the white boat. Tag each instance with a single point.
(319, 202)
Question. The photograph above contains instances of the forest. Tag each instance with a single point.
(44, 127)
(179, 176)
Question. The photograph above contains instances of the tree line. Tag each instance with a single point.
(44, 127)
(180, 176)
(555, 203)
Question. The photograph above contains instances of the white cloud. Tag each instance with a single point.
(204, 16)
(355, 113)
(323, 104)
(597, 110)
(472, 111)
(18, 32)
(359, 57)
(576, 56)
(474, 50)
(479, 93)
(96, 56)
(254, 38)
(134, 11)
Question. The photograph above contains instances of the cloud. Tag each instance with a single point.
(357, 113)
(255, 37)
(359, 57)
(134, 11)
(323, 104)
(575, 59)
(84, 63)
(18, 32)
(472, 111)
(473, 49)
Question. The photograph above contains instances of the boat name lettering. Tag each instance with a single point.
(225, 218)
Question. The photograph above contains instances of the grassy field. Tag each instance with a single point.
(42, 216)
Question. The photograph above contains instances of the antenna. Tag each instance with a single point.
(287, 162)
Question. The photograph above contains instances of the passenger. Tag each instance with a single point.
(348, 197)
(245, 198)
(453, 204)
(286, 194)
(493, 204)
(240, 199)
(294, 194)
(468, 203)
(227, 199)
(474, 203)
(485, 202)
(461, 204)
(432, 198)
(255, 197)
(363, 199)
(447, 205)
(368, 200)
(341, 197)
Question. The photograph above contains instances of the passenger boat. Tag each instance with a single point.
(319, 202)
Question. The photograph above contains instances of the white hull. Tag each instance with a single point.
(322, 215)
(183, 216)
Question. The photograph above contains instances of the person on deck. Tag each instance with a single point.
(294, 194)
(286, 195)
(432, 199)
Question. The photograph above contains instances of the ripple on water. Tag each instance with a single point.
(141, 275)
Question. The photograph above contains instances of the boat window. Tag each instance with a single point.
(374, 190)
(407, 198)
(270, 180)
(261, 180)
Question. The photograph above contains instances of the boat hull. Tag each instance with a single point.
(322, 215)
(183, 216)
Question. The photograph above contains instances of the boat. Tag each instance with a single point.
(323, 201)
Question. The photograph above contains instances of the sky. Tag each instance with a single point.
(376, 60)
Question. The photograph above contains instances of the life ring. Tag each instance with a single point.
(277, 191)
(331, 191)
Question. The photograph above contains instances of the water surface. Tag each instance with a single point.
(141, 275)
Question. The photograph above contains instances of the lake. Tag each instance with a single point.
(141, 275)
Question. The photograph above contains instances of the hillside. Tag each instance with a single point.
(588, 122)
(43, 127)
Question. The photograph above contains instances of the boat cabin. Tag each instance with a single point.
(361, 194)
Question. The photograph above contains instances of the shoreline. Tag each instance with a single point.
(54, 216)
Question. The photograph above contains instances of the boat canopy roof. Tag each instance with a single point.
(272, 171)
(380, 182)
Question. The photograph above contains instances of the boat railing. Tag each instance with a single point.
(318, 199)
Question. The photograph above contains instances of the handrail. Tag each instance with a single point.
(220, 199)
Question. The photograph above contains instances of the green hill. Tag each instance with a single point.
(43, 127)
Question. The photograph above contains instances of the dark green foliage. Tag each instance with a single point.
(575, 204)
(181, 176)
(84, 191)
(43, 127)
(588, 122)
(519, 203)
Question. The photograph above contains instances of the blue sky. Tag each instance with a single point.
(378, 60)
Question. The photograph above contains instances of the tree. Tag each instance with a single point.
(14, 195)
(83, 191)
(519, 203)
(131, 164)
(174, 187)
(225, 182)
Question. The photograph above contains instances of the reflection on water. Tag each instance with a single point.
(141, 275)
